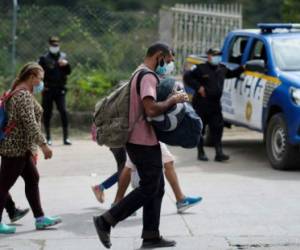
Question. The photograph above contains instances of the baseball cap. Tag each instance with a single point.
(214, 52)
(53, 40)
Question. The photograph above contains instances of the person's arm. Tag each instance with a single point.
(41, 62)
(192, 78)
(235, 73)
(148, 95)
(66, 68)
(64, 64)
(153, 108)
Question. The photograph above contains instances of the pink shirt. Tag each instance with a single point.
(142, 132)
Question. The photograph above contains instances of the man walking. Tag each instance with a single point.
(144, 151)
(56, 68)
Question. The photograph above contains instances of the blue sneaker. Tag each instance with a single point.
(186, 203)
(6, 229)
(46, 222)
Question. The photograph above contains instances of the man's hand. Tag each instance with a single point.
(201, 91)
(179, 98)
(62, 62)
(153, 108)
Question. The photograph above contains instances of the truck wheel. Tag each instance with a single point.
(281, 154)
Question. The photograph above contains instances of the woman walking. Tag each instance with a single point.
(19, 148)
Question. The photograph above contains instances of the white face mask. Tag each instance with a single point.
(170, 68)
(54, 49)
(38, 88)
(215, 60)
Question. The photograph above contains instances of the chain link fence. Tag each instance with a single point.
(103, 47)
(5, 43)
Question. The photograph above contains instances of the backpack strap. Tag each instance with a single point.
(9, 94)
(9, 127)
(5, 96)
(142, 73)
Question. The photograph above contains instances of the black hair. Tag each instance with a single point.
(158, 46)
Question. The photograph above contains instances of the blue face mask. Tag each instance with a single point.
(161, 70)
(38, 88)
(170, 68)
(215, 60)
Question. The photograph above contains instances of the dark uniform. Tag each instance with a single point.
(55, 90)
(211, 77)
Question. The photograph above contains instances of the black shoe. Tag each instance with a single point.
(67, 142)
(18, 214)
(158, 242)
(103, 230)
(201, 153)
(202, 157)
(221, 157)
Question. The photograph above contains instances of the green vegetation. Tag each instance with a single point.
(86, 86)
(103, 47)
(290, 11)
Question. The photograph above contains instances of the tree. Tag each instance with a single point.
(290, 10)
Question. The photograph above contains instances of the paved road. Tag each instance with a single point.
(247, 205)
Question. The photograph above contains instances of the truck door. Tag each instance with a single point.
(247, 93)
(232, 97)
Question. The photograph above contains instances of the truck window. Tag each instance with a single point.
(258, 51)
(237, 49)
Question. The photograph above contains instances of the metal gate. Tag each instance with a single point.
(195, 28)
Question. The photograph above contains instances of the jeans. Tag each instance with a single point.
(148, 195)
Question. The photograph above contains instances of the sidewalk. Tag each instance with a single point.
(246, 204)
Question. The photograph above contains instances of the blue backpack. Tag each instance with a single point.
(187, 133)
(179, 126)
(5, 128)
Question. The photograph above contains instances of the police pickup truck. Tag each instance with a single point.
(266, 97)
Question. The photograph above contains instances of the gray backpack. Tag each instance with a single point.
(111, 115)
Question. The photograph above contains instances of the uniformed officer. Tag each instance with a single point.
(207, 80)
(56, 68)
